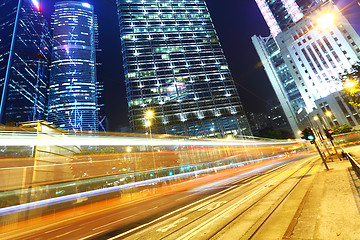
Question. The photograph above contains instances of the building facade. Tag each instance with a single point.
(314, 55)
(73, 90)
(280, 78)
(175, 67)
(24, 61)
(341, 112)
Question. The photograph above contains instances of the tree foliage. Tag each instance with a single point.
(269, 132)
(352, 94)
(341, 129)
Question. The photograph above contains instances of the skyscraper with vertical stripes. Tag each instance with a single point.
(24, 61)
(73, 88)
(313, 56)
(175, 67)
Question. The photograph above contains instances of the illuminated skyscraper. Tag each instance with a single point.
(282, 81)
(73, 90)
(24, 61)
(313, 55)
(279, 14)
(175, 67)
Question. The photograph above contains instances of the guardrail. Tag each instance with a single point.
(354, 163)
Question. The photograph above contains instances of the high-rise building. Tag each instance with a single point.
(73, 90)
(175, 67)
(313, 54)
(24, 61)
(280, 78)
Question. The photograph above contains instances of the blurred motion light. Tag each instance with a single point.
(326, 20)
(229, 137)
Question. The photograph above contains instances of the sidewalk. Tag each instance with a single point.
(330, 210)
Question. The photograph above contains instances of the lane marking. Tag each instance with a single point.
(291, 172)
(122, 219)
(171, 225)
(315, 169)
(169, 214)
(200, 227)
(66, 233)
(302, 171)
(192, 232)
(89, 236)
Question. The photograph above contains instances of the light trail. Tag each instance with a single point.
(74, 197)
(11, 139)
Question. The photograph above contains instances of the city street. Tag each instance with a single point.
(278, 202)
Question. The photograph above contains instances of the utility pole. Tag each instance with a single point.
(308, 134)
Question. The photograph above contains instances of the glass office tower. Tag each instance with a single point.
(175, 67)
(73, 94)
(24, 61)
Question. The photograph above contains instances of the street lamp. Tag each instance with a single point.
(148, 115)
(148, 124)
(326, 20)
(316, 119)
(349, 84)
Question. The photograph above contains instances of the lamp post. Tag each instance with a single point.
(316, 118)
(148, 116)
(329, 114)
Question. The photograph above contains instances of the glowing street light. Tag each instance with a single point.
(147, 123)
(349, 84)
(328, 113)
(149, 114)
(316, 118)
(326, 20)
(128, 149)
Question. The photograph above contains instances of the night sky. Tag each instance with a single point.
(235, 21)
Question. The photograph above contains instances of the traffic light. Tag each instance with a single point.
(308, 135)
(328, 133)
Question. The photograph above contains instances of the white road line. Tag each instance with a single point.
(200, 227)
(122, 219)
(56, 229)
(89, 236)
(66, 233)
(114, 222)
(166, 215)
(195, 230)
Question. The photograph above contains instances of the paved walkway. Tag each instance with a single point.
(331, 208)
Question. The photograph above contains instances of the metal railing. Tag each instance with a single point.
(354, 163)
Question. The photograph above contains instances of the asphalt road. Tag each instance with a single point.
(233, 205)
